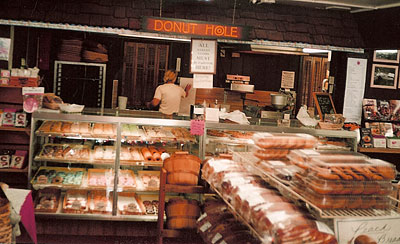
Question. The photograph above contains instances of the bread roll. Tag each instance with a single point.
(155, 154)
(147, 154)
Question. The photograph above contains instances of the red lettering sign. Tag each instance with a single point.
(194, 28)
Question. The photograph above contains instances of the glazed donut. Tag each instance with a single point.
(341, 173)
(363, 171)
(387, 172)
(355, 176)
(325, 173)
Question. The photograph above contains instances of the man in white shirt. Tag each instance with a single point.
(169, 95)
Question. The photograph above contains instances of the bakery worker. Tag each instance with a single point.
(169, 95)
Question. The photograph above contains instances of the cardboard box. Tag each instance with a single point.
(4, 161)
(379, 141)
(393, 142)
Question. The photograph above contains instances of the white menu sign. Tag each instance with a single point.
(203, 58)
(287, 80)
(375, 230)
(203, 81)
(354, 93)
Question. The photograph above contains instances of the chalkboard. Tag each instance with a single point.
(324, 103)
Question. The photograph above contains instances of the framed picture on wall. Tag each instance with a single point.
(384, 76)
(387, 56)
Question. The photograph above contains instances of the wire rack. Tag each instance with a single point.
(249, 161)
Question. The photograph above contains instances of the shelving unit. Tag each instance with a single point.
(115, 166)
(168, 188)
(13, 138)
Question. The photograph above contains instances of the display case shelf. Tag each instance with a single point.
(101, 162)
(11, 128)
(379, 150)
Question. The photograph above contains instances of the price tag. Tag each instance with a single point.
(197, 127)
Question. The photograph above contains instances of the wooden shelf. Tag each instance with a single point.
(9, 86)
(170, 233)
(378, 150)
(184, 189)
(11, 128)
(10, 170)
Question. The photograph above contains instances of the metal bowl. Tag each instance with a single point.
(279, 101)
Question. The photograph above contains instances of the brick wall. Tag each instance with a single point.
(269, 21)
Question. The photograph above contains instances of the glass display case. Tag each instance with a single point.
(227, 137)
(102, 166)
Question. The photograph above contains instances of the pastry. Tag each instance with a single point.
(147, 154)
(66, 127)
(84, 127)
(56, 127)
(46, 126)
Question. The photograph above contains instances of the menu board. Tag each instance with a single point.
(324, 103)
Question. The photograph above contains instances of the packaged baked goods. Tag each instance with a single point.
(270, 153)
(332, 201)
(324, 186)
(284, 140)
(75, 201)
(278, 168)
(47, 200)
(105, 178)
(214, 166)
(350, 168)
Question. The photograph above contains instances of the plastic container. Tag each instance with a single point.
(323, 186)
(351, 168)
(278, 168)
(330, 201)
(281, 140)
(302, 157)
(270, 153)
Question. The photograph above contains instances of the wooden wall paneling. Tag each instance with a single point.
(259, 98)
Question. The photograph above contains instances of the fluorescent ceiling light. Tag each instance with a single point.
(312, 50)
(159, 37)
(387, 51)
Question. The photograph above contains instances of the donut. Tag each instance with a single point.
(354, 202)
(387, 172)
(355, 176)
(342, 175)
(364, 239)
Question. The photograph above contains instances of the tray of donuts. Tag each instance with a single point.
(75, 201)
(351, 169)
(284, 140)
(99, 202)
(61, 152)
(337, 187)
(346, 201)
(58, 176)
(156, 133)
(302, 157)
(64, 128)
(130, 203)
(47, 200)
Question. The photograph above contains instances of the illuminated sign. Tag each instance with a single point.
(194, 28)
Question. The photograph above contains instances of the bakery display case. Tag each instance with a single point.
(102, 167)
(227, 137)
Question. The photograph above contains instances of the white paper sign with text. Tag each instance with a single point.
(380, 229)
(203, 58)
(202, 81)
